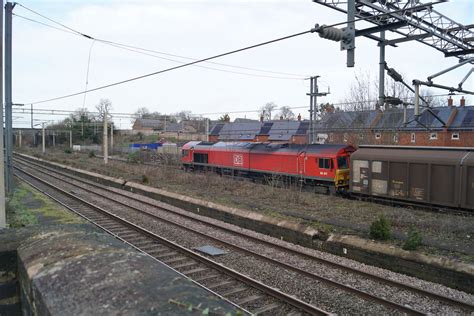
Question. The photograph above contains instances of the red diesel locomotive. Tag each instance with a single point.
(321, 165)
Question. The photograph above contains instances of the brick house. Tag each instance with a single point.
(374, 127)
(387, 127)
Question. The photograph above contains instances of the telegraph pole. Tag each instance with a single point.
(3, 218)
(8, 96)
(70, 139)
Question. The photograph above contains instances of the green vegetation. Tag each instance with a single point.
(28, 207)
(68, 151)
(17, 213)
(91, 154)
(381, 228)
(414, 239)
(145, 179)
(133, 157)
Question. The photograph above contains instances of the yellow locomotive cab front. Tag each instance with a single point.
(341, 179)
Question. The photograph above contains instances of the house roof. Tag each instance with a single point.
(346, 120)
(149, 123)
(240, 131)
(284, 130)
(464, 118)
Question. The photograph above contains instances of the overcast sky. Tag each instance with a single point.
(48, 63)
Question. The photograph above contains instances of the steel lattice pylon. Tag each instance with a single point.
(424, 25)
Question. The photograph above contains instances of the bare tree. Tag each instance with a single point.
(183, 115)
(266, 110)
(363, 93)
(225, 118)
(141, 112)
(104, 106)
(285, 113)
(430, 99)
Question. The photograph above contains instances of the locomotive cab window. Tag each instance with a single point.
(342, 162)
(325, 163)
(184, 153)
(200, 158)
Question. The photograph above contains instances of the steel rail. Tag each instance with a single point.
(352, 290)
(347, 288)
(327, 262)
(288, 299)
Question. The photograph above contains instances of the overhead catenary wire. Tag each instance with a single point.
(42, 111)
(172, 68)
(138, 49)
(204, 59)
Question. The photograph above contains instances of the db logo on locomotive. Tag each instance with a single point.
(238, 160)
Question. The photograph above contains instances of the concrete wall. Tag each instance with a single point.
(79, 270)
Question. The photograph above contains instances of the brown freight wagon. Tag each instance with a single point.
(438, 176)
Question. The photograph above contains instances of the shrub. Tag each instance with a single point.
(144, 178)
(91, 154)
(380, 229)
(414, 239)
(133, 157)
(68, 151)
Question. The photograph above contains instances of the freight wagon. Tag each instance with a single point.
(420, 175)
(320, 165)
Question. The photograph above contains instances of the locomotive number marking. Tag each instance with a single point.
(238, 160)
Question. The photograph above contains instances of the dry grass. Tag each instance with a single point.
(322, 211)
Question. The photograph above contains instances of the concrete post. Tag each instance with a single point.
(104, 141)
(70, 139)
(8, 96)
(3, 218)
(19, 138)
(54, 138)
(111, 138)
(43, 136)
(207, 129)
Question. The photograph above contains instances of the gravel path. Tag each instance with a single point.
(322, 295)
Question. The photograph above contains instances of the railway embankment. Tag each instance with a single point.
(439, 269)
(59, 264)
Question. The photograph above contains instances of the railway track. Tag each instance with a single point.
(252, 296)
(96, 189)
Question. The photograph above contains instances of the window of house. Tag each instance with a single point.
(395, 138)
(433, 136)
(455, 136)
(346, 137)
(413, 137)
(378, 135)
(324, 163)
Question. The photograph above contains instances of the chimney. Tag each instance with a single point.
(281, 117)
(450, 101)
(261, 118)
(462, 102)
(299, 117)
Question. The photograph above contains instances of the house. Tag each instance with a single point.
(258, 131)
(388, 128)
(437, 126)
